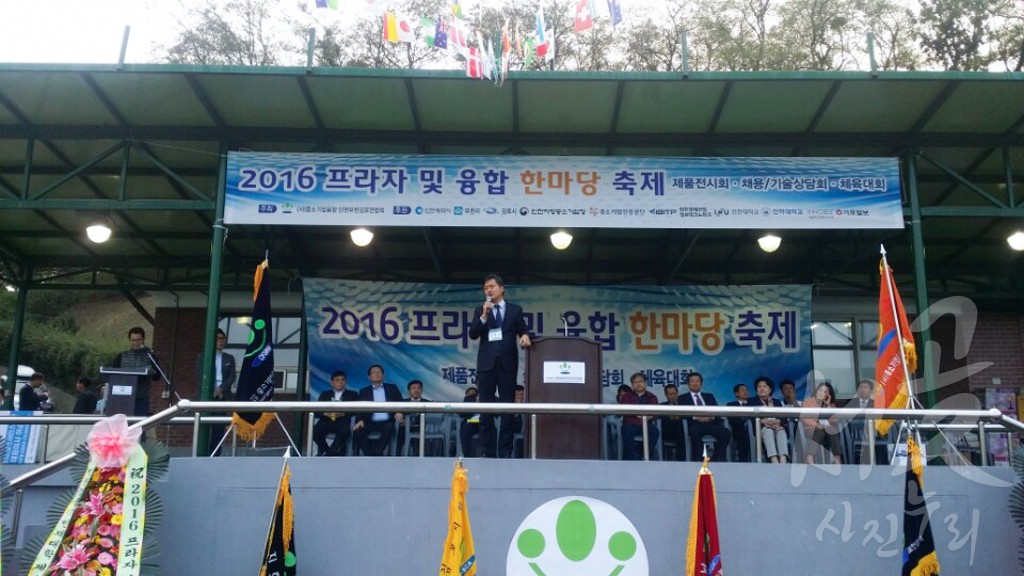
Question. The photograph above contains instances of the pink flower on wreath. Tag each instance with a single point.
(111, 441)
(73, 558)
(106, 559)
(103, 530)
(94, 506)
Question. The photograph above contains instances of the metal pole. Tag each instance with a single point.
(17, 328)
(310, 49)
(871, 441)
(533, 436)
(213, 297)
(871, 53)
(302, 381)
(19, 494)
(982, 445)
(757, 439)
(924, 349)
(684, 53)
(423, 434)
(647, 454)
(309, 434)
(196, 422)
(124, 46)
(46, 442)
(1011, 197)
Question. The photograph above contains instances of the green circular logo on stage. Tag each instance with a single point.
(576, 535)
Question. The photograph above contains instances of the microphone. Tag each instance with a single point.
(565, 325)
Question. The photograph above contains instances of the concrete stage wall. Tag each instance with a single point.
(388, 516)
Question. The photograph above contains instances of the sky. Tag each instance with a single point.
(77, 31)
(91, 31)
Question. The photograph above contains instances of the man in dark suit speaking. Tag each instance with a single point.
(499, 325)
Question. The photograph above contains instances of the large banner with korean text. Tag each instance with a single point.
(562, 191)
(730, 334)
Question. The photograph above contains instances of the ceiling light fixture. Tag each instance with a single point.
(98, 232)
(769, 242)
(1016, 240)
(561, 240)
(361, 237)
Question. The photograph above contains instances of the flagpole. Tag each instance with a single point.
(273, 515)
(899, 333)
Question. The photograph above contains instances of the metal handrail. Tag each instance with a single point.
(63, 462)
(993, 416)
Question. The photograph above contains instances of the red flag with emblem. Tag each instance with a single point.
(897, 355)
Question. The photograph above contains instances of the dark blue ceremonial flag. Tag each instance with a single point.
(256, 379)
(919, 557)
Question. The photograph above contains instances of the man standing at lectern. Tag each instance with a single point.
(139, 355)
(499, 325)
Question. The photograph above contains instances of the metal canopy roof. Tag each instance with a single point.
(144, 145)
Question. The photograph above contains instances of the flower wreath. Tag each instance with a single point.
(99, 525)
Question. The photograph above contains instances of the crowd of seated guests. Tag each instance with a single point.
(781, 439)
(817, 440)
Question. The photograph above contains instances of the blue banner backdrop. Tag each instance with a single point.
(730, 334)
(308, 189)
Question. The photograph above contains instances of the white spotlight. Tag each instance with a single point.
(561, 240)
(98, 233)
(769, 242)
(1016, 240)
(361, 237)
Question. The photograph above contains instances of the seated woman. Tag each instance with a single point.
(818, 430)
(773, 431)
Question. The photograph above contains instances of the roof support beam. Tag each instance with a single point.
(136, 304)
(995, 201)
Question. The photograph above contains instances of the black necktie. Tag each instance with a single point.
(497, 315)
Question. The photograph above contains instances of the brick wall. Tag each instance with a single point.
(998, 338)
(178, 339)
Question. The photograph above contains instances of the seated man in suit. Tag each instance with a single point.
(672, 426)
(518, 422)
(632, 425)
(469, 427)
(337, 423)
(415, 390)
(741, 426)
(865, 399)
(700, 426)
(380, 422)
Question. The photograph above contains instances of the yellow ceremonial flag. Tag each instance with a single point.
(459, 555)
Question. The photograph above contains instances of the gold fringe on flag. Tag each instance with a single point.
(927, 565)
(251, 432)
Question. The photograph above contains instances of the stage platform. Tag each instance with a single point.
(388, 516)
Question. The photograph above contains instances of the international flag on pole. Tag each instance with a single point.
(256, 379)
(279, 553)
(435, 34)
(459, 555)
(919, 557)
(584, 16)
(615, 12)
(473, 69)
(702, 554)
(545, 40)
(897, 355)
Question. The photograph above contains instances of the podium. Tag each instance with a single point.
(568, 371)
(121, 389)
